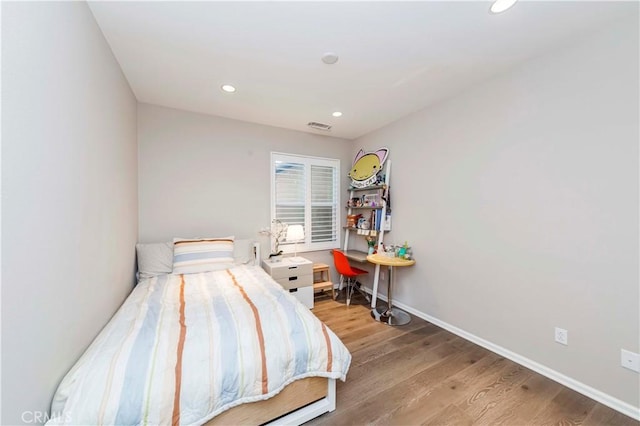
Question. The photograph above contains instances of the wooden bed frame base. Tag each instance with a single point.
(299, 402)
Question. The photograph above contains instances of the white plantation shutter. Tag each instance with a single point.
(304, 191)
(324, 186)
(290, 192)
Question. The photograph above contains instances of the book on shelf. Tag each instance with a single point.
(378, 219)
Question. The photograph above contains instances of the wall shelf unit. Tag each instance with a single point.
(378, 195)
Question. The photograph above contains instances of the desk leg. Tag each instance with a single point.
(391, 315)
(374, 293)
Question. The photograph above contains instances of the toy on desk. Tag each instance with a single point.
(403, 252)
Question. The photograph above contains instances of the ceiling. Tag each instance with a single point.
(395, 57)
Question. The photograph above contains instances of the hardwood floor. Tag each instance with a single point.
(420, 374)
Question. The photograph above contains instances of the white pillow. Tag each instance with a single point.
(191, 256)
(154, 259)
(243, 252)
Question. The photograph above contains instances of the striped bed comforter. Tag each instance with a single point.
(184, 348)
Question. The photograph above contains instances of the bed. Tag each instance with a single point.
(227, 346)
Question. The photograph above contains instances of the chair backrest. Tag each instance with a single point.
(342, 263)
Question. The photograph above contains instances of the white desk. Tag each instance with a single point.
(356, 255)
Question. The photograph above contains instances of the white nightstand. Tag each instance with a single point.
(297, 277)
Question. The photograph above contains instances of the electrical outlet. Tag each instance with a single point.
(630, 360)
(562, 336)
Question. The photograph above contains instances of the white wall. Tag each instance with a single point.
(202, 175)
(69, 222)
(520, 198)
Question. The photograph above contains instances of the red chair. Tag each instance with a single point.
(349, 273)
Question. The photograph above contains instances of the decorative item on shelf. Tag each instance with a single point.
(277, 233)
(352, 219)
(363, 223)
(366, 167)
(295, 233)
(371, 200)
(354, 202)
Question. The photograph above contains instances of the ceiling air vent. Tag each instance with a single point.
(319, 126)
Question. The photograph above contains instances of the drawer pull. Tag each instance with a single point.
(293, 290)
(293, 278)
(293, 267)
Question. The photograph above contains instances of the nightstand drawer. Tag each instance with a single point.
(295, 281)
(290, 270)
(287, 268)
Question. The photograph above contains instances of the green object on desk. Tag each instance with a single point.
(402, 251)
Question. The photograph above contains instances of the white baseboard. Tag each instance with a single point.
(603, 398)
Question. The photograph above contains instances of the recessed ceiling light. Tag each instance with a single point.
(500, 6)
(337, 114)
(329, 58)
(228, 88)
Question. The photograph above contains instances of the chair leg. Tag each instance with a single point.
(340, 283)
(333, 291)
(351, 286)
(358, 286)
(334, 294)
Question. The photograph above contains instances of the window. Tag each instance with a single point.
(304, 191)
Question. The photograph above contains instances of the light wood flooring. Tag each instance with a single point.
(421, 374)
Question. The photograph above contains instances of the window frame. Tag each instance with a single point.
(307, 161)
